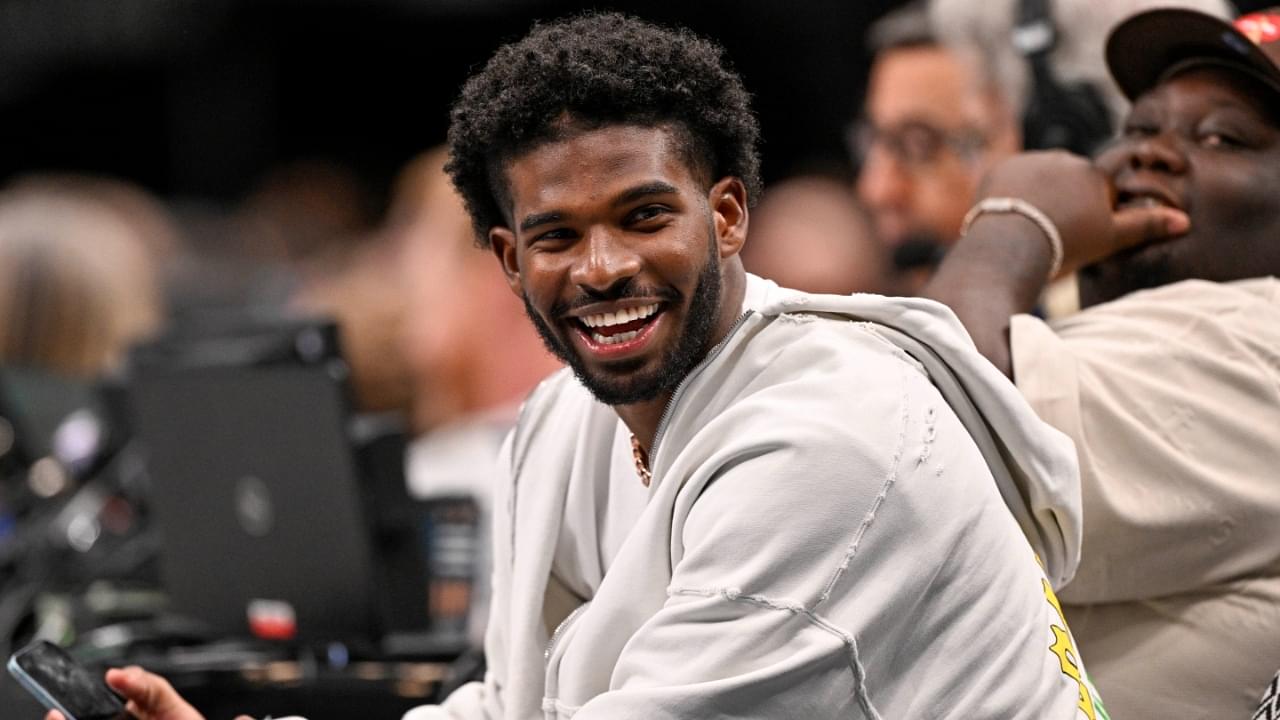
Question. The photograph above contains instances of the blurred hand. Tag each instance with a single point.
(1080, 200)
(148, 696)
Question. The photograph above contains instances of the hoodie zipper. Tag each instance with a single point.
(671, 402)
(564, 625)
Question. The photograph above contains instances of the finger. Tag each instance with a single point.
(1135, 226)
(130, 681)
(150, 694)
(53, 715)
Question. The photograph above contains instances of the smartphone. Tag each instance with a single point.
(60, 683)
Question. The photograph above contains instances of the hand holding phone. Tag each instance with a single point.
(60, 683)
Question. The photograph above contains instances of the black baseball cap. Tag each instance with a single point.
(1150, 47)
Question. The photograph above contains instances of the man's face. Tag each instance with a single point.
(616, 247)
(1204, 142)
(930, 134)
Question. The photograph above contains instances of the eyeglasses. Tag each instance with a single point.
(915, 144)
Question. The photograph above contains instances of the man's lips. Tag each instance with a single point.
(616, 331)
(1142, 196)
(1137, 194)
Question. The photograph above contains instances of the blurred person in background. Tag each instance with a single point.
(459, 310)
(304, 207)
(80, 263)
(1168, 381)
(308, 230)
(361, 284)
(471, 354)
(933, 122)
(288, 239)
(810, 233)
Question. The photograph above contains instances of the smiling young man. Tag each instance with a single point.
(739, 500)
(1168, 382)
(591, 209)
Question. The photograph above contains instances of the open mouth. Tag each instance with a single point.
(618, 327)
(1143, 199)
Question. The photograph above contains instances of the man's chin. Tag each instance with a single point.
(1141, 268)
(619, 382)
(626, 387)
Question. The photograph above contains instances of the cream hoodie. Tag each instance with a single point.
(823, 536)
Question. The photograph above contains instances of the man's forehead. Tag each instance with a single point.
(597, 164)
(926, 83)
(1217, 85)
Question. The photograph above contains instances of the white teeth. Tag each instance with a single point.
(614, 339)
(1144, 201)
(610, 319)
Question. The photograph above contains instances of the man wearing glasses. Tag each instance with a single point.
(933, 125)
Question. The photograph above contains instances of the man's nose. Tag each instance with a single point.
(1158, 152)
(606, 263)
(883, 182)
(885, 187)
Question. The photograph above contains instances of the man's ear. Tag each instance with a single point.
(503, 243)
(728, 200)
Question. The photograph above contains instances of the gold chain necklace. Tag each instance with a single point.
(642, 461)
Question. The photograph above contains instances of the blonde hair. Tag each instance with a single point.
(1083, 25)
(77, 285)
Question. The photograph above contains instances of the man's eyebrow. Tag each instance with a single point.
(536, 219)
(656, 187)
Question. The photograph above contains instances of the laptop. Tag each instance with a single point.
(256, 490)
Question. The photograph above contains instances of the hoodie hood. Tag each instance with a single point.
(1034, 465)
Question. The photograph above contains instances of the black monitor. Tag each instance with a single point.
(255, 484)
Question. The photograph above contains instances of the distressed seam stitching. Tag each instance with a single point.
(880, 497)
(849, 641)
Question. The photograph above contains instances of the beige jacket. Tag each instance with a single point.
(1173, 398)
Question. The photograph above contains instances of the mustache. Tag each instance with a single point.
(560, 308)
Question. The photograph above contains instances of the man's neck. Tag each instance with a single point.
(642, 418)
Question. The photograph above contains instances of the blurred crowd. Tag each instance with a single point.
(91, 266)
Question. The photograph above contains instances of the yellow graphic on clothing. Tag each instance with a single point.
(1066, 652)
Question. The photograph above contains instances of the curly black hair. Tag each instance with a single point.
(593, 70)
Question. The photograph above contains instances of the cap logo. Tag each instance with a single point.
(1261, 28)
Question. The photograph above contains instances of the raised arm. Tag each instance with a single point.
(1002, 263)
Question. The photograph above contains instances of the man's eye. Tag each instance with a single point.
(1140, 130)
(1222, 140)
(646, 213)
(552, 236)
(1217, 140)
(919, 144)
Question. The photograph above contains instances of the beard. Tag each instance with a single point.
(625, 384)
(919, 250)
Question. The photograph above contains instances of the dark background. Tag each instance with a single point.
(198, 98)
